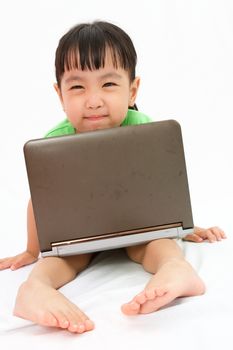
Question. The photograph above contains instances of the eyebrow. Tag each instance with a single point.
(110, 75)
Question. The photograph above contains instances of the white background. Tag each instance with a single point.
(185, 60)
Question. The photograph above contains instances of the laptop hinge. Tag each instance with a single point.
(116, 240)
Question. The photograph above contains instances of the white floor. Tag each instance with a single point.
(203, 322)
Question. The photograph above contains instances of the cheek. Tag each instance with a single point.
(119, 114)
(71, 105)
(121, 104)
(72, 113)
(120, 100)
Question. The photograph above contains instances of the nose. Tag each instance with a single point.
(94, 101)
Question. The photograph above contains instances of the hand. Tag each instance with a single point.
(211, 234)
(17, 261)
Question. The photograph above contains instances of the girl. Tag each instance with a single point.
(97, 86)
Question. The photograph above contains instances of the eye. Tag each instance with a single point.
(109, 84)
(76, 87)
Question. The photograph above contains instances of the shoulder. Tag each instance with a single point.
(63, 128)
(135, 117)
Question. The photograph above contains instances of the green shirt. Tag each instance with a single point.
(66, 128)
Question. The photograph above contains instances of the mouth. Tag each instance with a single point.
(95, 117)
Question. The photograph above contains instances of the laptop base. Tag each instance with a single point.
(67, 248)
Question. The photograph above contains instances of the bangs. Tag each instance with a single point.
(87, 57)
(88, 47)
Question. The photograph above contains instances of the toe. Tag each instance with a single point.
(141, 298)
(134, 305)
(160, 291)
(89, 325)
(81, 327)
(131, 308)
(47, 319)
(64, 323)
(78, 321)
(150, 294)
(77, 328)
(62, 319)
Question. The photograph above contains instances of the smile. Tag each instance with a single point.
(95, 117)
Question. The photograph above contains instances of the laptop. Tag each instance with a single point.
(109, 188)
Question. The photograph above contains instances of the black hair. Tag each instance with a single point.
(84, 47)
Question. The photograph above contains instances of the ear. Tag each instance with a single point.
(58, 91)
(134, 86)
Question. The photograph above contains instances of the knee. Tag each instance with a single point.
(78, 262)
(139, 252)
(158, 245)
(136, 253)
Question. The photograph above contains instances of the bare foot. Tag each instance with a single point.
(175, 279)
(46, 306)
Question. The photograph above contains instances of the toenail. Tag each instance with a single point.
(65, 323)
(134, 305)
(150, 294)
(81, 328)
(89, 324)
(74, 326)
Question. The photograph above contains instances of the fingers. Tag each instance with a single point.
(17, 264)
(194, 238)
(11, 263)
(21, 261)
(211, 234)
(17, 261)
(5, 263)
(218, 233)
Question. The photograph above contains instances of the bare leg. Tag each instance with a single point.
(173, 276)
(38, 299)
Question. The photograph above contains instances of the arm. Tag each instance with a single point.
(31, 254)
(32, 242)
(211, 234)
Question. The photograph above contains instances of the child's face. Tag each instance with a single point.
(97, 99)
